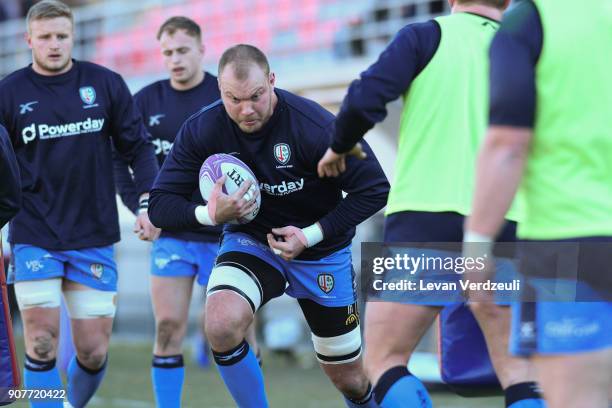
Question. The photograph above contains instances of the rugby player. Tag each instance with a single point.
(178, 257)
(10, 187)
(555, 56)
(304, 219)
(61, 115)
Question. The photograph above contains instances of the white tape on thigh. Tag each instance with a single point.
(90, 304)
(338, 349)
(39, 293)
(224, 277)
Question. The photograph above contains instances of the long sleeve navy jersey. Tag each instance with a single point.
(10, 185)
(514, 53)
(292, 193)
(384, 81)
(164, 109)
(61, 129)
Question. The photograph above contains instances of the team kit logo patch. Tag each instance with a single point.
(326, 282)
(282, 153)
(88, 96)
(27, 107)
(154, 119)
(97, 270)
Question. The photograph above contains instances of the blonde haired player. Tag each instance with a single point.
(61, 115)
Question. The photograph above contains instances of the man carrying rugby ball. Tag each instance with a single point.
(281, 137)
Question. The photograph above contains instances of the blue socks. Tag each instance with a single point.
(65, 347)
(167, 374)
(398, 388)
(367, 401)
(242, 376)
(524, 395)
(83, 382)
(42, 374)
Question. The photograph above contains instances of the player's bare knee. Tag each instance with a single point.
(169, 333)
(223, 337)
(225, 330)
(225, 325)
(353, 383)
(44, 344)
(92, 357)
(231, 301)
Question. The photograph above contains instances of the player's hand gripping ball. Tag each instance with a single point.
(236, 172)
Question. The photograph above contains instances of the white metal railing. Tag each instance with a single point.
(296, 34)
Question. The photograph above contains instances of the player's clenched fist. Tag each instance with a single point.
(332, 163)
(287, 242)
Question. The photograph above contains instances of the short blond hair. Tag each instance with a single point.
(242, 56)
(48, 9)
(175, 23)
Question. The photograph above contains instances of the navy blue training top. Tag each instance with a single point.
(384, 81)
(164, 109)
(514, 54)
(10, 186)
(61, 128)
(292, 192)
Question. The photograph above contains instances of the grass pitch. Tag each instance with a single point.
(128, 385)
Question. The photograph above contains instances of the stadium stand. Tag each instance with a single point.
(310, 33)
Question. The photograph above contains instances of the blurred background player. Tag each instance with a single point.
(439, 68)
(178, 256)
(10, 188)
(311, 223)
(10, 202)
(554, 56)
(61, 115)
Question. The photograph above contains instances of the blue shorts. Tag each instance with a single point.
(173, 257)
(92, 267)
(556, 273)
(329, 281)
(560, 327)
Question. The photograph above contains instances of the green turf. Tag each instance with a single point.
(127, 385)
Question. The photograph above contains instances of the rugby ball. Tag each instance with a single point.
(221, 164)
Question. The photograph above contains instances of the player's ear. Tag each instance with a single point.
(28, 39)
(272, 78)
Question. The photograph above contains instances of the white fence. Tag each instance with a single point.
(312, 34)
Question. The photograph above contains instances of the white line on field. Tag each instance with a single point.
(120, 402)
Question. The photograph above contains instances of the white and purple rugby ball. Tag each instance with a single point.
(221, 164)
